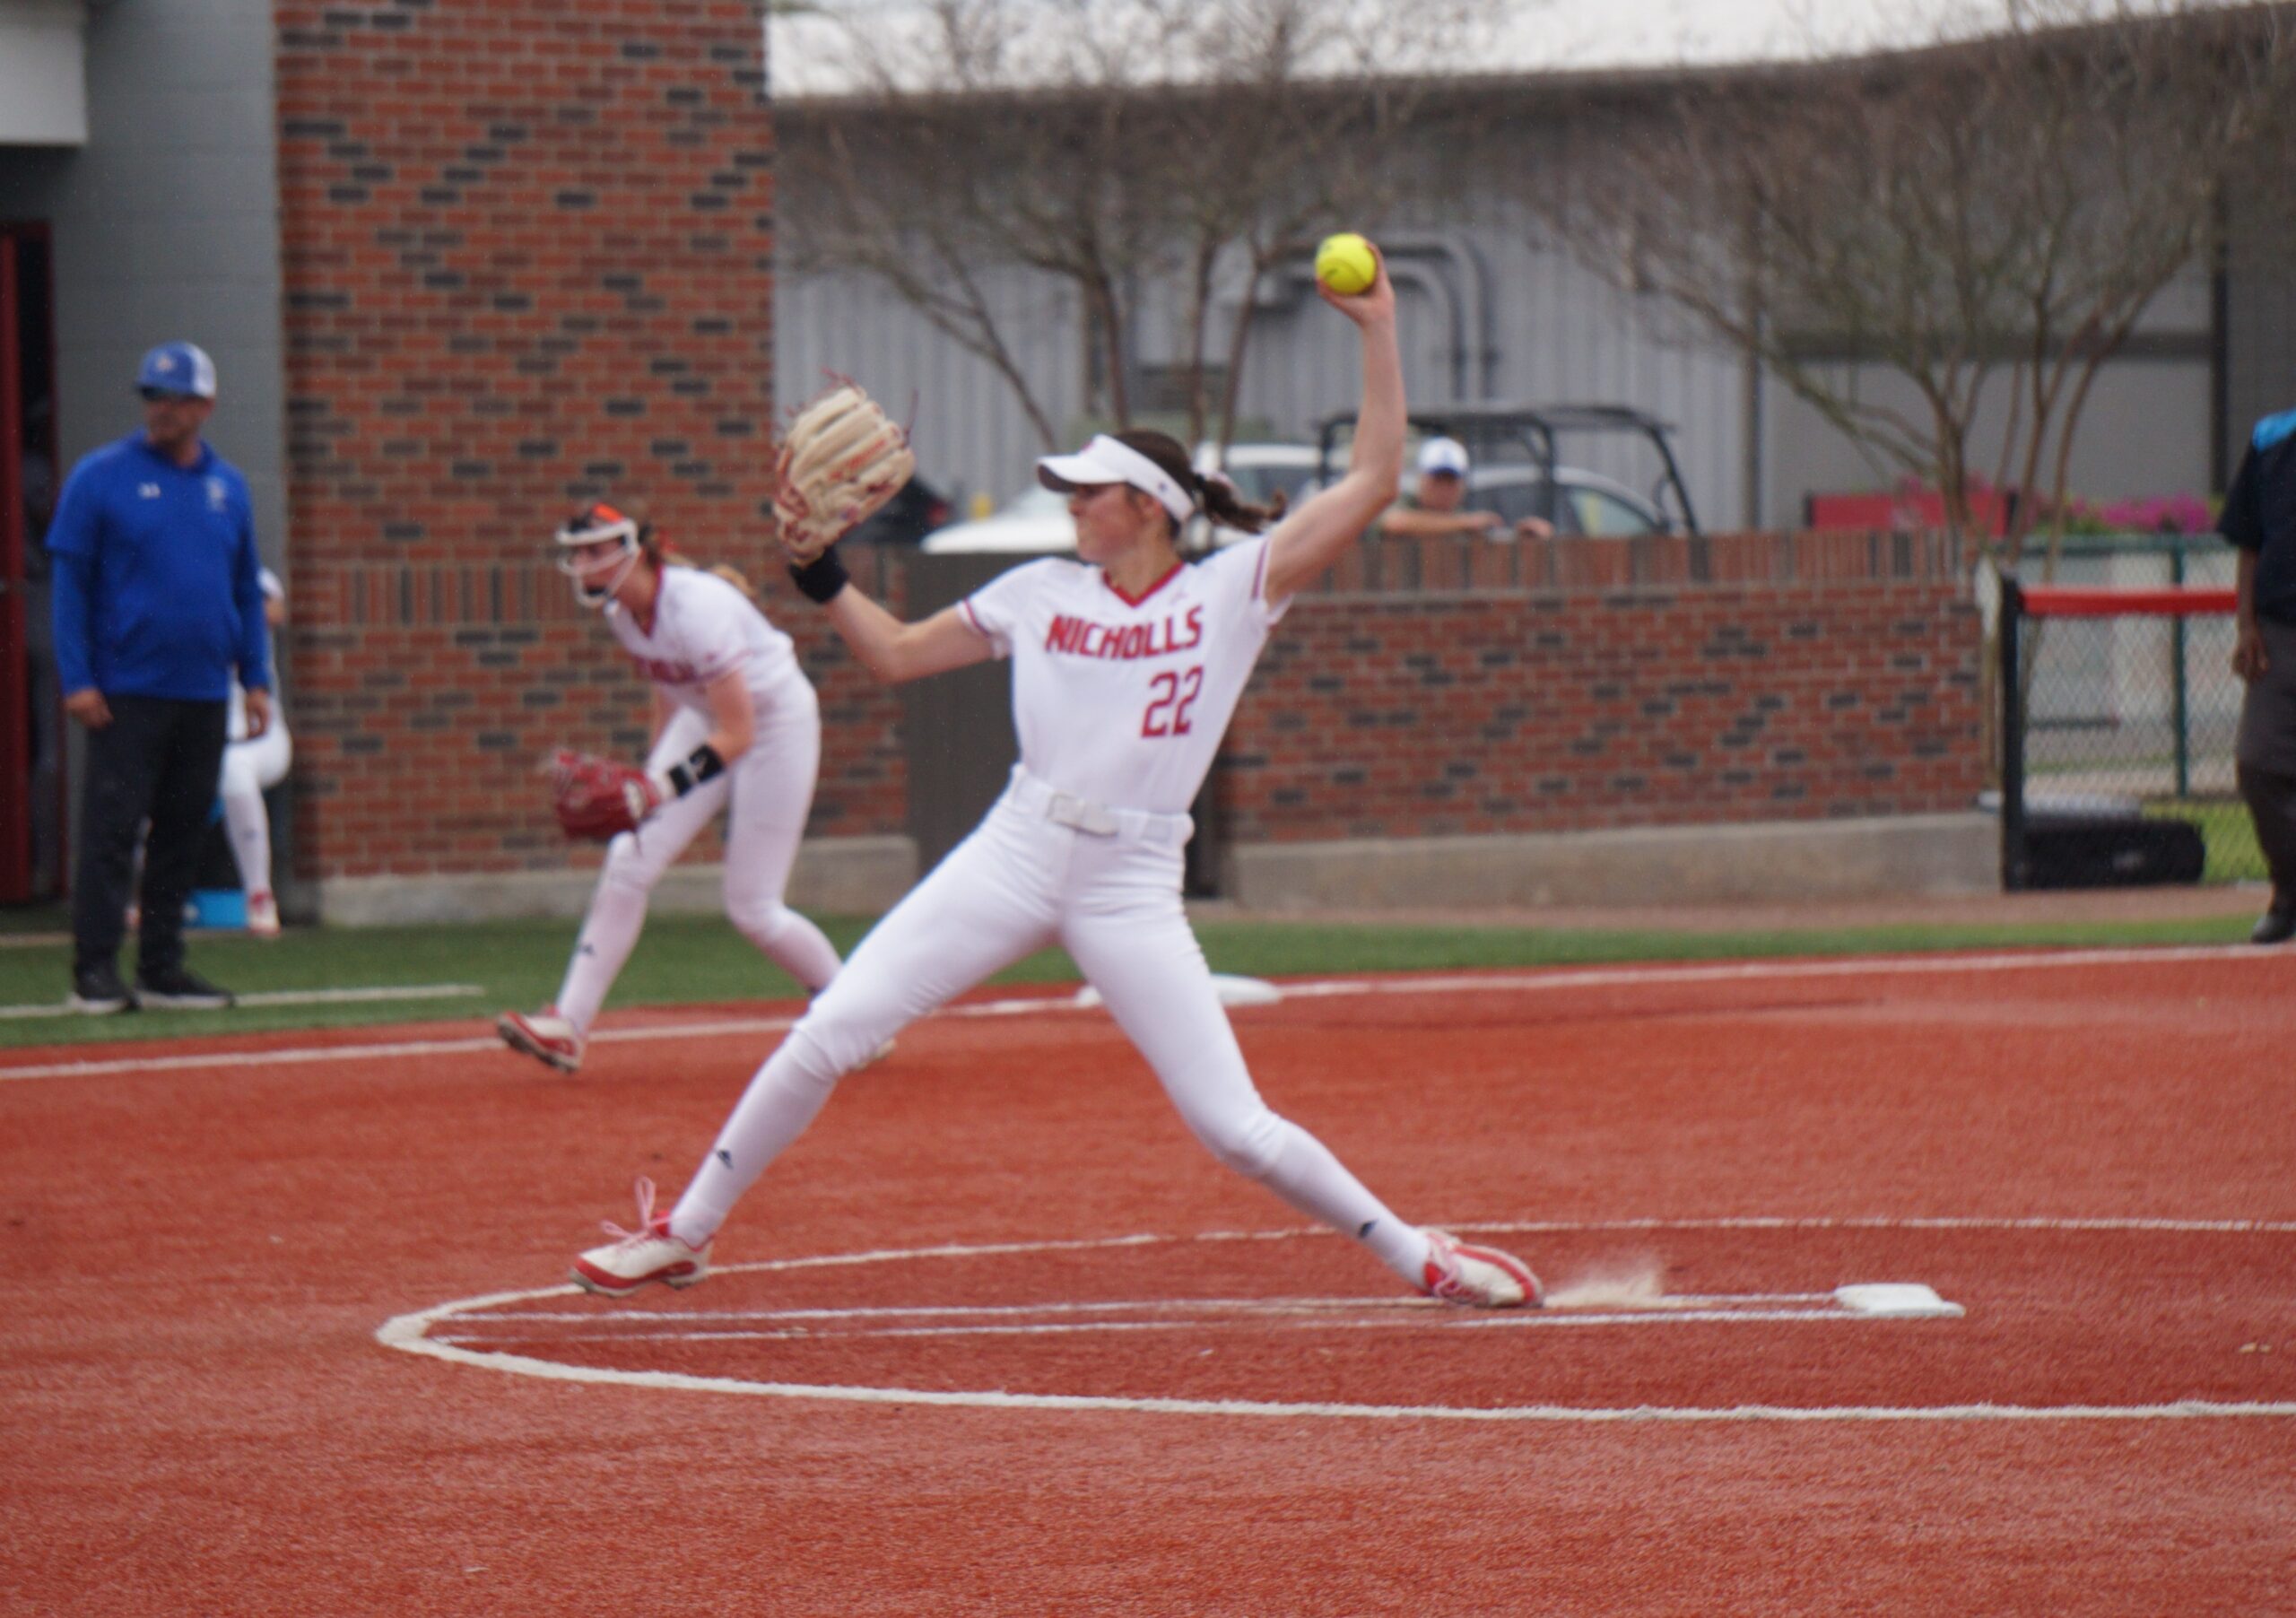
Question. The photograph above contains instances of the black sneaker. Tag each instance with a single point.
(97, 991)
(2278, 923)
(178, 988)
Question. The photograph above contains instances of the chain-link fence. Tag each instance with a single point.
(2119, 708)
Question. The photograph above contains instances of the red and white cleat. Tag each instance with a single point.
(545, 1036)
(263, 916)
(634, 1258)
(1483, 1277)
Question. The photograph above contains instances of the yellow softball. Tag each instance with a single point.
(1346, 264)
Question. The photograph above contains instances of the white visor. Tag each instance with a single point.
(1106, 460)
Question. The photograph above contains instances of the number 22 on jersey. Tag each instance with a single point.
(1172, 693)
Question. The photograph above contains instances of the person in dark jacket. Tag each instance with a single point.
(2259, 516)
(158, 603)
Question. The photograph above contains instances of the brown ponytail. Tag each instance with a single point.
(1230, 510)
(734, 575)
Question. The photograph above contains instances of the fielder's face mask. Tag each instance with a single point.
(1106, 460)
(596, 576)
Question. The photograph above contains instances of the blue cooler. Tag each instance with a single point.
(216, 907)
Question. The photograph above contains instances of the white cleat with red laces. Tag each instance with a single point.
(1483, 1277)
(634, 1258)
(545, 1036)
(263, 916)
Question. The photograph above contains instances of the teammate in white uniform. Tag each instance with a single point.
(1126, 666)
(737, 729)
(250, 765)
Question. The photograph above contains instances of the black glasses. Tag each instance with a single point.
(161, 395)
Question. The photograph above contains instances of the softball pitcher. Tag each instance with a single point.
(1126, 666)
(737, 729)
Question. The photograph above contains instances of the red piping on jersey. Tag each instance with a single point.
(1133, 601)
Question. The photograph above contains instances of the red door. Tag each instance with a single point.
(31, 754)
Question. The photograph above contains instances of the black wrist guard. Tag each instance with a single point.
(822, 578)
(700, 765)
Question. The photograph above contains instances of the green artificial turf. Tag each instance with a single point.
(2227, 832)
(685, 960)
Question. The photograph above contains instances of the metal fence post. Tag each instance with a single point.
(2013, 738)
(2181, 694)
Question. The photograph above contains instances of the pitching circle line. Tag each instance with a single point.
(409, 1333)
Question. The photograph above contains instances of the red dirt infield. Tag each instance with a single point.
(2087, 1151)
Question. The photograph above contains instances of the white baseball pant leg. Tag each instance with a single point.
(1015, 884)
(248, 768)
(1129, 933)
(989, 902)
(772, 794)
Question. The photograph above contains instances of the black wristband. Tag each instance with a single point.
(700, 765)
(820, 578)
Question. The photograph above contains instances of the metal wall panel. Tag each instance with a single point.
(1540, 326)
(2260, 321)
(1553, 334)
(166, 225)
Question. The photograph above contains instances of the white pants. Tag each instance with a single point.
(765, 795)
(250, 766)
(1021, 881)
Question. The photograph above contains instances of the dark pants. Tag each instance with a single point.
(2272, 805)
(2266, 751)
(158, 760)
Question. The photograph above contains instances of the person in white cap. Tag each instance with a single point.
(1436, 508)
(1127, 662)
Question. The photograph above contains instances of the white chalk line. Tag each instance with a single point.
(294, 997)
(1550, 1227)
(410, 1334)
(1542, 1319)
(1198, 1314)
(323, 1054)
(1527, 980)
(1245, 1306)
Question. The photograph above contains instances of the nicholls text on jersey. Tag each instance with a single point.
(1123, 643)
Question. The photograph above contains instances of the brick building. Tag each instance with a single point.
(463, 264)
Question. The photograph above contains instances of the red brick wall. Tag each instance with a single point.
(527, 263)
(1757, 677)
(527, 259)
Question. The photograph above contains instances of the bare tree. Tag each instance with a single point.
(2001, 207)
(1112, 145)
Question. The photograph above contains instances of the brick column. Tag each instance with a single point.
(528, 263)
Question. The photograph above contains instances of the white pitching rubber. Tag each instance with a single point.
(1895, 1300)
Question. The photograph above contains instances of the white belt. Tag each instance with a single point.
(1038, 796)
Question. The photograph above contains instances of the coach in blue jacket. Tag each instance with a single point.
(158, 600)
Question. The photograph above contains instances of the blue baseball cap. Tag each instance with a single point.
(180, 368)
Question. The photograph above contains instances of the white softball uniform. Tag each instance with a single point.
(250, 766)
(1119, 705)
(704, 628)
